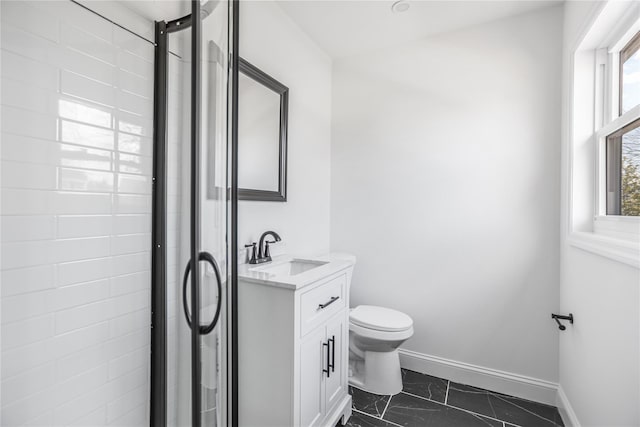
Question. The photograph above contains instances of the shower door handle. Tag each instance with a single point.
(204, 256)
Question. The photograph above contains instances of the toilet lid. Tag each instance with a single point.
(380, 318)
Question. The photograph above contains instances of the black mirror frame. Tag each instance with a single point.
(269, 82)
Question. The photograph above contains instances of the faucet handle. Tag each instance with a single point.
(253, 252)
(266, 248)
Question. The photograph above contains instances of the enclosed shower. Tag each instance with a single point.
(191, 209)
(118, 207)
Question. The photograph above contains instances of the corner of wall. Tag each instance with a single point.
(567, 413)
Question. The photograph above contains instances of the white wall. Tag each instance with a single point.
(76, 201)
(273, 43)
(602, 349)
(445, 185)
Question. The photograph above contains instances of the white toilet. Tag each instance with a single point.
(375, 333)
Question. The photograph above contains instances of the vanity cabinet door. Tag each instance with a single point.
(312, 361)
(335, 383)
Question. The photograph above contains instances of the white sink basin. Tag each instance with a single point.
(289, 268)
(290, 272)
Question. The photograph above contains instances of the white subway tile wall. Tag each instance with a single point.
(77, 114)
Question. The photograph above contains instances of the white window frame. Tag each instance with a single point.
(608, 120)
(594, 114)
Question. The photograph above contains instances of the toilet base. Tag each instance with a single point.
(378, 372)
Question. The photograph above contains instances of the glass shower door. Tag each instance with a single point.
(191, 271)
(214, 224)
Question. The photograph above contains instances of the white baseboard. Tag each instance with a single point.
(478, 376)
(566, 410)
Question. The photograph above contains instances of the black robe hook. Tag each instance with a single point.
(558, 317)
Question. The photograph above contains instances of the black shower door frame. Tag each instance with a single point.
(158, 389)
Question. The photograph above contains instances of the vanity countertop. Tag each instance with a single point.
(273, 273)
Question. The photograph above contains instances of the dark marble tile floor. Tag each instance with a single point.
(428, 401)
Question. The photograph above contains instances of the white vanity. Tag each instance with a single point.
(293, 319)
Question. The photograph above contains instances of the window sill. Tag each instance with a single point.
(621, 250)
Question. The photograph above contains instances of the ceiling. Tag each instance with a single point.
(350, 27)
(345, 28)
(158, 10)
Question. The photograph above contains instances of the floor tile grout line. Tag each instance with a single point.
(386, 406)
(429, 400)
(524, 409)
(369, 415)
(455, 407)
(434, 401)
(507, 396)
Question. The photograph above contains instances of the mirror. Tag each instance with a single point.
(262, 135)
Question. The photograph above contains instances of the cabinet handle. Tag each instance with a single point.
(328, 303)
(326, 344)
(332, 365)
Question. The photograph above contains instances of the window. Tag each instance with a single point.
(623, 171)
(620, 138)
(630, 75)
(603, 142)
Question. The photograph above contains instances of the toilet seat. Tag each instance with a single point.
(381, 335)
(380, 319)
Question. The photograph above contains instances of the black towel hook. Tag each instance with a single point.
(558, 317)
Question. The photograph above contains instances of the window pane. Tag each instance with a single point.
(631, 172)
(623, 171)
(630, 75)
